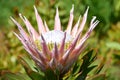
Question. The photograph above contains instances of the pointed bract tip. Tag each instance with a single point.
(20, 14)
(93, 19)
(79, 18)
(15, 33)
(72, 5)
(71, 11)
(11, 18)
(57, 11)
(86, 12)
(23, 18)
(35, 9)
(87, 8)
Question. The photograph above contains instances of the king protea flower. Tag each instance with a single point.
(55, 49)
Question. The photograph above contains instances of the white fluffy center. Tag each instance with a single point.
(56, 36)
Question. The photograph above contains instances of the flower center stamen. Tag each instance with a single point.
(53, 37)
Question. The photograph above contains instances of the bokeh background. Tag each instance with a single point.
(105, 38)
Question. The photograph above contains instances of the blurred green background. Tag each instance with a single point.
(106, 36)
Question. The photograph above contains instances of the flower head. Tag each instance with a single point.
(55, 49)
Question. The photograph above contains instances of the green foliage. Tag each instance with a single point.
(9, 51)
(113, 45)
(12, 76)
(85, 67)
(10, 7)
(46, 9)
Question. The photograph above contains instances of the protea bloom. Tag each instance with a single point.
(55, 49)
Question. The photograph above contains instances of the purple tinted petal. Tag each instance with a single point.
(72, 58)
(74, 42)
(39, 63)
(45, 48)
(52, 63)
(76, 52)
(65, 56)
(71, 48)
(30, 48)
(22, 32)
(55, 53)
(30, 29)
(62, 46)
(36, 52)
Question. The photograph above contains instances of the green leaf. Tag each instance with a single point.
(36, 76)
(50, 75)
(100, 66)
(77, 66)
(12, 76)
(27, 62)
(32, 70)
(85, 69)
(113, 45)
(116, 56)
(88, 59)
(84, 73)
(98, 77)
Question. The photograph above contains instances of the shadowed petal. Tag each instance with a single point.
(69, 27)
(62, 46)
(74, 42)
(75, 53)
(65, 56)
(30, 48)
(52, 63)
(30, 29)
(45, 47)
(31, 52)
(71, 47)
(57, 25)
(40, 65)
(41, 27)
(72, 58)
(55, 52)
